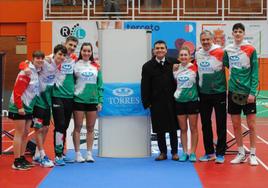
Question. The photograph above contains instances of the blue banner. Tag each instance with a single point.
(175, 34)
(122, 99)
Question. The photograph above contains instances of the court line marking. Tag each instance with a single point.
(262, 139)
(6, 150)
(3, 135)
(258, 159)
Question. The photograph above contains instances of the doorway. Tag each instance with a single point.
(15, 50)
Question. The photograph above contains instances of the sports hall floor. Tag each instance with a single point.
(144, 172)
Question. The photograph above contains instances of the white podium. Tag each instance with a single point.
(122, 54)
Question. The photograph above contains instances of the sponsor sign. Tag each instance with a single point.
(175, 34)
(122, 99)
(84, 31)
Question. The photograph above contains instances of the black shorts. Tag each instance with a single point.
(84, 107)
(236, 109)
(41, 117)
(16, 116)
(184, 108)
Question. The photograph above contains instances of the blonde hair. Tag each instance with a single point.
(185, 48)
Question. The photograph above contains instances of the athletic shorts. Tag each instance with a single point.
(16, 116)
(84, 107)
(41, 117)
(184, 108)
(236, 109)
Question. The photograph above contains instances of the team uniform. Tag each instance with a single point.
(24, 95)
(186, 94)
(62, 102)
(212, 94)
(243, 66)
(87, 95)
(42, 108)
(88, 86)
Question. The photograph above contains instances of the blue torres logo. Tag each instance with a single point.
(51, 77)
(66, 67)
(87, 74)
(123, 92)
(234, 58)
(204, 64)
(183, 79)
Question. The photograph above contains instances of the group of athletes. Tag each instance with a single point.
(65, 85)
(201, 87)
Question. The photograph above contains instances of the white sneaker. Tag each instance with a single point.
(46, 162)
(240, 158)
(79, 159)
(89, 158)
(253, 160)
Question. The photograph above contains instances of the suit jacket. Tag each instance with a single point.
(157, 90)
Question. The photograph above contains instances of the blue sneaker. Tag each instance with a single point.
(183, 157)
(46, 162)
(192, 157)
(207, 157)
(219, 159)
(67, 159)
(59, 161)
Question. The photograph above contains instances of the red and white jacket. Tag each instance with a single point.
(25, 90)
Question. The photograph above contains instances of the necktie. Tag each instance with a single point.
(162, 63)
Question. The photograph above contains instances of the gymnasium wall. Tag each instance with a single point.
(22, 31)
(173, 33)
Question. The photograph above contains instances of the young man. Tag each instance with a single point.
(157, 90)
(241, 59)
(21, 105)
(62, 100)
(42, 108)
(212, 94)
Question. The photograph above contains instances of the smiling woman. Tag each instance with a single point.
(187, 104)
(88, 99)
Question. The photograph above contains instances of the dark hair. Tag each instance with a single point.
(61, 48)
(160, 42)
(91, 58)
(38, 53)
(71, 38)
(238, 26)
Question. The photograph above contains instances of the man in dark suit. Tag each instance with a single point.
(157, 90)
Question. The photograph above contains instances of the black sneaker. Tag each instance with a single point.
(25, 162)
(19, 165)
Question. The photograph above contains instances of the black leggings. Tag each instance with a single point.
(62, 109)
